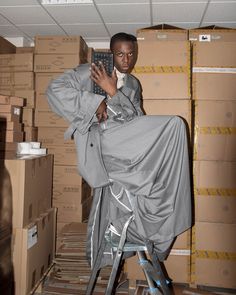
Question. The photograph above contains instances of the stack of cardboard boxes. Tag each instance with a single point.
(214, 166)
(17, 79)
(163, 68)
(53, 56)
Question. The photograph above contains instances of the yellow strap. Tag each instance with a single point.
(160, 69)
(215, 255)
(209, 191)
(215, 130)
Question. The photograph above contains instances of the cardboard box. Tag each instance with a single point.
(163, 54)
(11, 136)
(212, 34)
(22, 62)
(67, 175)
(12, 82)
(177, 267)
(183, 240)
(70, 211)
(55, 62)
(157, 85)
(215, 138)
(214, 191)
(61, 45)
(31, 181)
(42, 80)
(11, 100)
(42, 102)
(10, 113)
(11, 125)
(33, 252)
(215, 273)
(28, 117)
(90, 54)
(62, 192)
(44, 118)
(27, 95)
(214, 86)
(162, 32)
(24, 49)
(63, 155)
(180, 108)
(6, 46)
(216, 54)
(31, 134)
(53, 136)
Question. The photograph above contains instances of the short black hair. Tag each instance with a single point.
(122, 37)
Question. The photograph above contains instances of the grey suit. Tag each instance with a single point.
(138, 164)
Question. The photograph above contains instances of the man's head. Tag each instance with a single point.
(124, 48)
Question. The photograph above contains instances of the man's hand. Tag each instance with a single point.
(101, 112)
(100, 77)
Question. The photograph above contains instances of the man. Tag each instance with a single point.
(137, 164)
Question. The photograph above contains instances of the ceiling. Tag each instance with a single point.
(101, 19)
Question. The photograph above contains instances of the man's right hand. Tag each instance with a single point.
(101, 112)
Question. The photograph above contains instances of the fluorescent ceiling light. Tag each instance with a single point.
(64, 2)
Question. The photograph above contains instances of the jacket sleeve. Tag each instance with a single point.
(67, 98)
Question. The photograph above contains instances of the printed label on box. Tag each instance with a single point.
(205, 38)
(17, 111)
(32, 236)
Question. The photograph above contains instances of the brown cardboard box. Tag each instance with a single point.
(6, 46)
(216, 54)
(177, 267)
(215, 249)
(180, 108)
(53, 136)
(13, 82)
(31, 133)
(63, 155)
(212, 34)
(61, 45)
(10, 113)
(11, 100)
(33, 252)
(44, 118)
(22, 62)
(90, 54)
(27, 95)
(11, 136)
(24, 49)
(42, 80)
(163, 54)
(68, 175)
(42, 102)
(214, 190)
(214, 86)
(69, 211)
(183, 240)
(162, 32)
(11, 125)
(31, 181)
(215, 138)
(55, 62)
(157, 85)
(28, 117)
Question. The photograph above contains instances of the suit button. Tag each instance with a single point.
(91, 144)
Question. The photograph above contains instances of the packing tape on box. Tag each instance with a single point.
(211, 191)
(214, 70)
(180, 252)
(30, 148)
(160, 69)
(207, 254)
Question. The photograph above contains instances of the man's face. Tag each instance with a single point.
(125, 55)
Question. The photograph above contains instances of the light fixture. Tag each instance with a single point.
(64, 2)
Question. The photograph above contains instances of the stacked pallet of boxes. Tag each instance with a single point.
(17, 79)
(163, 68)
(53, 56)
(214, 94)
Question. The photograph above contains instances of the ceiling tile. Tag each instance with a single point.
(3, 21)
(120, 1)
(127, 28)
(218, 12)
(26, 15)
(10, 31)
(87, 30)
(178, 12)
(32, 30)
(74, 13)
(179, 1)
(18, 2)
(125, 13)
